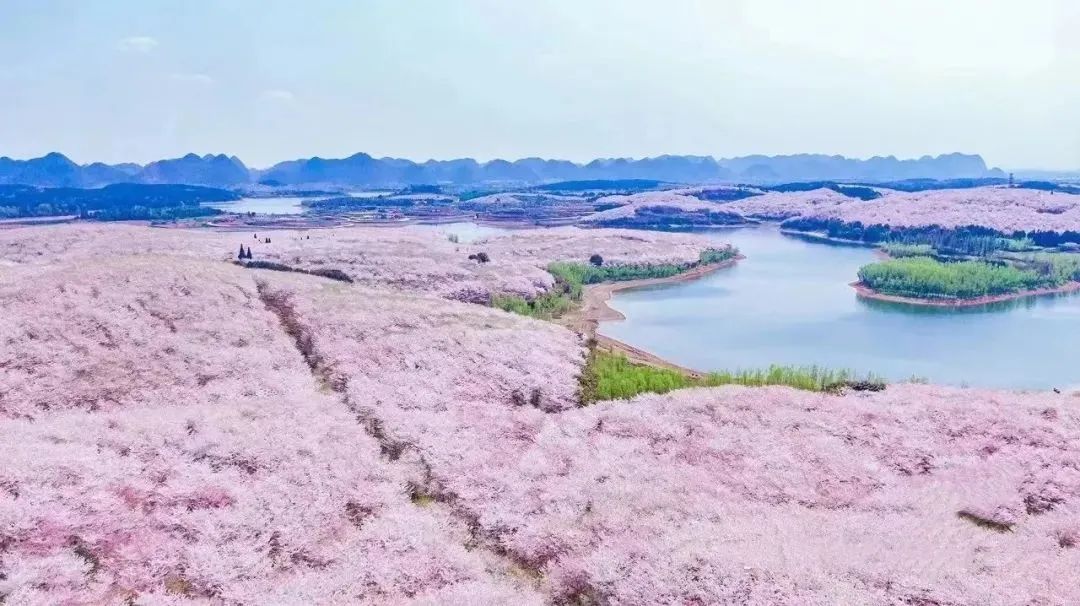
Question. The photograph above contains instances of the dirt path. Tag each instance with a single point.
(595, 309)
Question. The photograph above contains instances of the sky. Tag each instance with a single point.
(269, 80)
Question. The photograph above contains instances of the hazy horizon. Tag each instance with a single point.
(129, 82)
(421, 160)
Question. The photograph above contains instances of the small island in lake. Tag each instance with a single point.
(924, 280)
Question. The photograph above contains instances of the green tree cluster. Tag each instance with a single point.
(924, 277)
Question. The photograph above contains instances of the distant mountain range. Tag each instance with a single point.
(57, 170)
(363, 170)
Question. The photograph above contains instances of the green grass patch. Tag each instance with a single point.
(581, 273)
(1056, 268)
(611, 376)
(899, 250)
(571, 278)
(717, 255)
(547, 306)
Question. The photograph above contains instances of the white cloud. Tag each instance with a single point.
(137, 44)
(201, 79)
(278, 95)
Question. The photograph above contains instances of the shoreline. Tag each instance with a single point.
(864, 291)
(595, 309)
(814, 236)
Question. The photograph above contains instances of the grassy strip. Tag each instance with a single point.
(570, 279)
(582, 273)
(547, 306)
(898, 250)
(611, 376)
(928, 278)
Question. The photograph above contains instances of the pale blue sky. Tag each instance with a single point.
(268, 81)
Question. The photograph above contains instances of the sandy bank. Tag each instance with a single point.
(866, 292)
(595, 309)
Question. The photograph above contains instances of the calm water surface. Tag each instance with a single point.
(278, 206)
(789, 302)
(261, 206)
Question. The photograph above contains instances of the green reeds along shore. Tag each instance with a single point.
(611, 376)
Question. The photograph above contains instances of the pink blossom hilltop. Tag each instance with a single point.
(1004, 209)
(775, 206)
(181, 430)
(408, 259)
(1007, 210)
(630, 205)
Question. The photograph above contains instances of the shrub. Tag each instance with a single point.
(271, 265)
(717, 255)
(581, 273)
(333, 274)
(517, 398)
(547, 306)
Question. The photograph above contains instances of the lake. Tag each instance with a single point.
(279, 206)
(789, 302)
(261, 206)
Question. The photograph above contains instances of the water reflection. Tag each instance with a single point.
(261, 206)
(790, 302)
(992, 307)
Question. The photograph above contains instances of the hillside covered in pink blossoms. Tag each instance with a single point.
(628, 206)
(1003, 209)
(1006, 210)
(776, 206)
(181, 430)
(411, 260)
